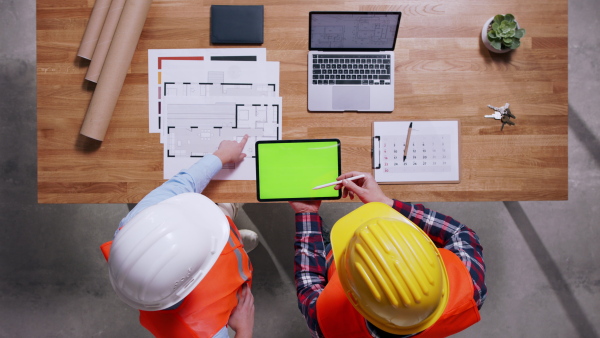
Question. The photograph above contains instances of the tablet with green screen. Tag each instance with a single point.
(289, 170)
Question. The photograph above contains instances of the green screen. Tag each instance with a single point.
(289, 170)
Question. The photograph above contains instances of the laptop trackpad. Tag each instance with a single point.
(351, 97)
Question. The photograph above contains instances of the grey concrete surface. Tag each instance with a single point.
(543, 270)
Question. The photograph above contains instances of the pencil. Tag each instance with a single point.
(407, 140)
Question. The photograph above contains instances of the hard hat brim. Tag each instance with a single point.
(343, 230)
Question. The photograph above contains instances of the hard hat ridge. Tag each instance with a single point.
(390, 269)
(395, 277)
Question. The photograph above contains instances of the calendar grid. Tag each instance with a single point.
(432, 154)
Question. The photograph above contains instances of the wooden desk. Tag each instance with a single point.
(442, 71)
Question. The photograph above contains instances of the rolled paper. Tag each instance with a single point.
(104, 40)
(93, 28)
(112, 77)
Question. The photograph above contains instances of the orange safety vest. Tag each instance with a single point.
(207, 308)
(338, 318)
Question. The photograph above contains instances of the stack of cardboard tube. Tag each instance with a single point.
(109, 41)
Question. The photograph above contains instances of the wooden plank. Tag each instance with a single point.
(443, 71)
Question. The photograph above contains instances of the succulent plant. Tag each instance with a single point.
(503, 33)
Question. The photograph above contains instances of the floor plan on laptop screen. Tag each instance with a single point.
(353, 30)
(199, 103)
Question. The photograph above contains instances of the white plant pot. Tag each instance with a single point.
(486, 41)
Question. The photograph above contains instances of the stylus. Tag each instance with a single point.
(337, 182)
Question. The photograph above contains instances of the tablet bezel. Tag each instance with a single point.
(339, 165)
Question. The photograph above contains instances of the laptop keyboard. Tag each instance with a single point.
(351, 69)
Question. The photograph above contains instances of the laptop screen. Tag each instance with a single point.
(356, 31)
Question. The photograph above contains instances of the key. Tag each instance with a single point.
(506, 120)
(494, 108)
(496, 115)
(509, 113)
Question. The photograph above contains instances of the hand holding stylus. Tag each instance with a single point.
(337, 182)
(366, 188)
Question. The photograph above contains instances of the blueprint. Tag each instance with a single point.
(162, 61)
(196, 126)
(201, 103)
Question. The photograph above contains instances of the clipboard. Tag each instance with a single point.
(433, 152)
(288, 170)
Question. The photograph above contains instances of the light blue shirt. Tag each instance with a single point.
(194, 179)
(223, 333)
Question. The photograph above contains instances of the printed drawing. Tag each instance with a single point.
(202, 102)
(194, 130)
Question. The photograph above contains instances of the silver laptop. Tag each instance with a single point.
(351, 61)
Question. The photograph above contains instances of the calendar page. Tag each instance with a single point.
(430, 156)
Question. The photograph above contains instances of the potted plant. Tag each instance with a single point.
(502, 33)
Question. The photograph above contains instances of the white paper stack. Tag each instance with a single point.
(200, 97)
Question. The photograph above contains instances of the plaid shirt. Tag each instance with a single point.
(310, 266)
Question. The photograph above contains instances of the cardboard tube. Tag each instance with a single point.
(93, 28)
(104, 40)
(114, 72)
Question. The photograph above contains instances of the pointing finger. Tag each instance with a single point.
(244, 140)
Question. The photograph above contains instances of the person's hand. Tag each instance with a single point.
(305, 206)
(242, 317)
(365, 188)
(231, 151)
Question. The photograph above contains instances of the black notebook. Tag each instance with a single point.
(236, 24)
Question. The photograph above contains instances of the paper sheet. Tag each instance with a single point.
(160, 62)
(196, 126)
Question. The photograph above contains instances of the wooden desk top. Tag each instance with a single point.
(442, 71)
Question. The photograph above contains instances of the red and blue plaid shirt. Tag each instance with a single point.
(310, 266)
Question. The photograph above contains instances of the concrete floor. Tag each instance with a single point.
(543, 264)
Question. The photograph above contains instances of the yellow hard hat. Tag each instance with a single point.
(391, 271)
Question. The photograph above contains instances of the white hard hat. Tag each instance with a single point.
(160, 256)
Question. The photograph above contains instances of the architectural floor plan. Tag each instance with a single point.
(201, 103)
